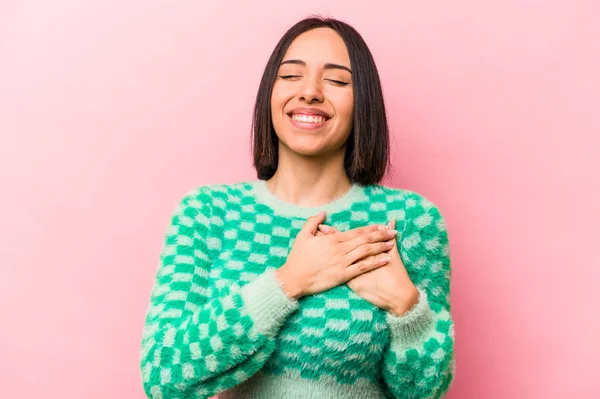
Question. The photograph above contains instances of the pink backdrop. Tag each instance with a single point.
(110, 111)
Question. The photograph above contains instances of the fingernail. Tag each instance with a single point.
(389, 244)
(392, 232)
(385, 258)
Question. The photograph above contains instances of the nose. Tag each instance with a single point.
(311, 90)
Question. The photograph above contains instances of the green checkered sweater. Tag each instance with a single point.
(218, 322)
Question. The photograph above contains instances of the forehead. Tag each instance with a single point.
(319, 46)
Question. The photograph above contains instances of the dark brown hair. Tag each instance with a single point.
(368, 148)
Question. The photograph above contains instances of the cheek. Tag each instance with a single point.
(346, 107)
(275, 96)
(342, 100)
(278, 100)
(274, 102)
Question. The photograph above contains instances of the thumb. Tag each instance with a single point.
(312, 223)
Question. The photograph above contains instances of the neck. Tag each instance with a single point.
(309, 181)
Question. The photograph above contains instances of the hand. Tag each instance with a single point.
(316, 264)
(387, 287)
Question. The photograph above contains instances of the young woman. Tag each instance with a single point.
(312, 281)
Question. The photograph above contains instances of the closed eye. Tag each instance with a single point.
(338, 82)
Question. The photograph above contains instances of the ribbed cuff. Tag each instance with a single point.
(266, 303)
(411, 325)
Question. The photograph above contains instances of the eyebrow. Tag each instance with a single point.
(326, 66)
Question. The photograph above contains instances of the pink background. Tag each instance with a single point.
(110, 111)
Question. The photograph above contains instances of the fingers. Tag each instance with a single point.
(367, 250)
(380, 234)
(366, 265)
(327, 229)
(312, 224)
(354, 233)
(392, 224)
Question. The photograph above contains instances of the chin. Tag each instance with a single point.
(310, 146)
(307, 151)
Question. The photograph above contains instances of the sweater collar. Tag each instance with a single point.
(342, 203)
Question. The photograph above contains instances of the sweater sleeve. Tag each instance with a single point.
(198, 341)
(419, 361)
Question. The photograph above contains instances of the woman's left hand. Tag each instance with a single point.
(388, 287)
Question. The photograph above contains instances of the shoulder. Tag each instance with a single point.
(409, 197)
(418, 209)
(216, 194)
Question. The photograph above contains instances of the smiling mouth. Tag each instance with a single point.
(308, 121)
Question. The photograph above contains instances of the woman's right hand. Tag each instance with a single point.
(319, 263)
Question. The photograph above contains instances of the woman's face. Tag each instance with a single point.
(312, 100)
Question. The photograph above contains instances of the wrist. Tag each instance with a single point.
(288, 285)
(401, 306)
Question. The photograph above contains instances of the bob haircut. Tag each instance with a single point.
(367, 148)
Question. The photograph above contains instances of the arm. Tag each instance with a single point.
(198, 341)
(419, 362)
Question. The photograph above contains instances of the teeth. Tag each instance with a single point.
(308, 118)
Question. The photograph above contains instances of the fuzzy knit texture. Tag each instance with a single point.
(219, 323)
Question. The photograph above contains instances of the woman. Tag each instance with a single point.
(298, 284)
